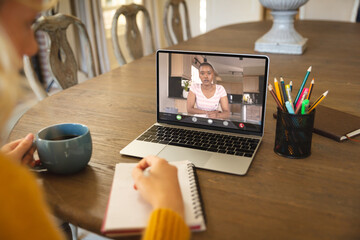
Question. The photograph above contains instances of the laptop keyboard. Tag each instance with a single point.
(212, 142)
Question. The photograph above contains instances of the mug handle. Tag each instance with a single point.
(38, 167)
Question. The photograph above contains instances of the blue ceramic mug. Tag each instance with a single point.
(64, 148)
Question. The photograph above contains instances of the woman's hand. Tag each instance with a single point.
(159, 186)
(212, 114)
(21, 150)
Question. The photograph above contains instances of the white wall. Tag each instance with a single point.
(337, 10)
(225, 12)
(220, 13)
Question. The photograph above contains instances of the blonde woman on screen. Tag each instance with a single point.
(24, 211)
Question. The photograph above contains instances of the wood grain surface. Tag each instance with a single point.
(313, 198)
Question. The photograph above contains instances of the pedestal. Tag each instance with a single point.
(282, 37)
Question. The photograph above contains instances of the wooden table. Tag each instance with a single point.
(313, 198)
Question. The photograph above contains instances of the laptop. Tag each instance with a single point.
(226, 141)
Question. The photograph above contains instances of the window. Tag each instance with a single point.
(109, 8)
(195, 75)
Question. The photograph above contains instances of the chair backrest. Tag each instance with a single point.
(176, 23)
(133, 40)
(61, 57)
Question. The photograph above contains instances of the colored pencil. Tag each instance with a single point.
(271, 89)
(302, 96)
(282, 84)
(310, 89)
(318, 101)
(277, 90)
(298, 107)
(290, 84)
(302, 85)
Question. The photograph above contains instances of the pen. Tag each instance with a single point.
(304, 106)
(288, 93)
(146, 171)
(277, 90)
(274, 96)
(301, 100)
(282, 84)
(302, 85)
(318, 101)
(310, 89)
(289, 107)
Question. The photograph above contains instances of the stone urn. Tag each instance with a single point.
(282, 37)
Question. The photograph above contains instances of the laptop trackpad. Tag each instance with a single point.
(173, 153)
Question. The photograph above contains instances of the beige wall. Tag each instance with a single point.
(219, 13)
(224, 12)
(337, 10)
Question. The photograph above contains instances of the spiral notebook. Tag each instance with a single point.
(127, 212)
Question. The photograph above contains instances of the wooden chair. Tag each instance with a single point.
(176, 23)
(133, 40)
(61, 57)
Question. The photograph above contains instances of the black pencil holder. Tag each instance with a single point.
(294, 134)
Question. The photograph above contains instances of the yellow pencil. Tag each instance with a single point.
(318, 101)
(277, 90)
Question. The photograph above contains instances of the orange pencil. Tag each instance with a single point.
(310, 89)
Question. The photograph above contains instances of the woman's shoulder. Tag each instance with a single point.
(220, 91)
(220, 88)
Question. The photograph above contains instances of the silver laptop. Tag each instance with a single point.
(210, 110)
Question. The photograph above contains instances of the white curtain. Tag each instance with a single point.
(90, 13)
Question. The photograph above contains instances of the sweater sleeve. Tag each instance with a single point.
(166, 224)
(24, 212)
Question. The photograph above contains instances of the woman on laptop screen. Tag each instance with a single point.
(207, 96)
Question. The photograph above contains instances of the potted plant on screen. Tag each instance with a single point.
(186, 87)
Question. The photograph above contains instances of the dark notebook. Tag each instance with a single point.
(335, 124)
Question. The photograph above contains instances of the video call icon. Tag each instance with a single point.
(178, 117)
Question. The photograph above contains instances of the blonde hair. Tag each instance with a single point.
(10, 64)
(38, 5)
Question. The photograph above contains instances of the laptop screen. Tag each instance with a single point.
(218, 91)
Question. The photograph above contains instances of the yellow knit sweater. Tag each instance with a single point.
(24, 213)
(165, 224)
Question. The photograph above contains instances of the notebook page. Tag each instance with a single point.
(126, 207)
(127, 210)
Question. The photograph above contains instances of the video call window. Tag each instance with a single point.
(212, 90)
